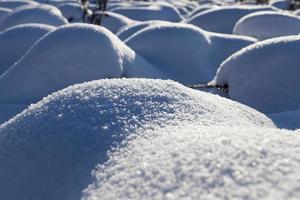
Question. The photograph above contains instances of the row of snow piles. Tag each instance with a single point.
(52, 63)
(127, 138)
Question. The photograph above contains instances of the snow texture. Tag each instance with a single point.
(223, 19)
(15, 45)
(57, 142)
(264, 75)
(195, 54)
(44, 14)
(196, 162)
(264, 25)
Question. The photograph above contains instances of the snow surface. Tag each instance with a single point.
(195, 54)
(70, 54)
(129, 30)
(264, 75)
(71, 11)
(59, 141)
(3, 13)
(12, 4)
(114, 21)
(155, 11)
(14, 45)
(264, 25)
(288, 120)
(196, 162)
(44, 14)
(280, 4)
(223, 19)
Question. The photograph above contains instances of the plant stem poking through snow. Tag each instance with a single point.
(224, 88)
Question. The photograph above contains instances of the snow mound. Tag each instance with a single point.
(70, 54)
(114, 21)
(287, 120)
(14, 44)
(280, 4)
(202, 8)
(12, 4)
(43, 14)
(60, 140)
(264, 75)
(223, 19)
(156, 11)
(261, 25)
(71, 11)
(195, 54)
(129, 30)
(3, 13)
(202, 163)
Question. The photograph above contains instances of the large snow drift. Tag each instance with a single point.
(44, 14)
(223, 19)
(50, 149)
(264, 75)
(183, 52)
(267, 24)
(15, 41)
(193, 162)
(156, 11)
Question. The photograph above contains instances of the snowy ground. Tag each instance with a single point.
(91, 112)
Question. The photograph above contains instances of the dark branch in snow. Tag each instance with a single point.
(224, 88)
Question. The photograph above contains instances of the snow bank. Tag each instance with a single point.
(3, 13)
(71, 11)
(223, 19)
(58, 142)
(14, 44)
(265, 24)
(43, 14)
(114, 21)
(129, 30)
(202, 8)
(155, 11)
(264, 75)
(195, 54)
(68, 55)
(12, 4)
(203, 163)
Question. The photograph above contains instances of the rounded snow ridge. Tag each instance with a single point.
(223, 19)
(261, 25)
(65, 136)
(263, 74)
(13, 37)
(13, 4)
(70, 54)
(44, 14)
